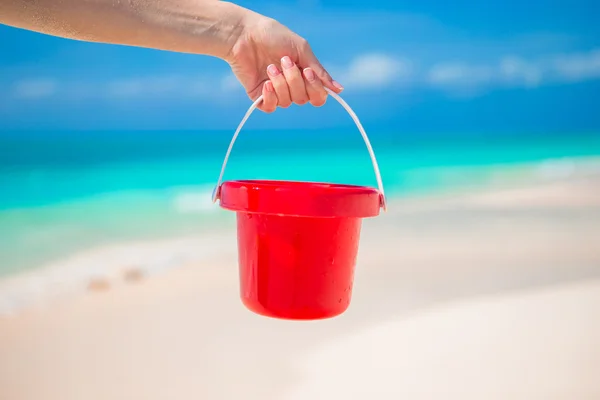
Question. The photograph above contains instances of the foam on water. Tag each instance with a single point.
(566, 167)
(72, 275)
(198, 200)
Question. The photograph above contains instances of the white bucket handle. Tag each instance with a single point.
(217, 190)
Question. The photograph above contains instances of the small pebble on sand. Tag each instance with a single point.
(133, 275)
(98, 285)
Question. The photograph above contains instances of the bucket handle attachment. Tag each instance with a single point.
(217, 190)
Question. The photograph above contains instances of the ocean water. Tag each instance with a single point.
(63, 192)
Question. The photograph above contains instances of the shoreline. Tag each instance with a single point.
(103, 268)
(111, 266)
(57, 231)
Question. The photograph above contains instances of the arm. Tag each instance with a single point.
(207, 27)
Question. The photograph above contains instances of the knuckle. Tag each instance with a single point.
(303, 44)
(323, 74)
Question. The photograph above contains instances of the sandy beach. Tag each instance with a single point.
(490, 295)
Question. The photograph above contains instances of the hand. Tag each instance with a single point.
(271, 60)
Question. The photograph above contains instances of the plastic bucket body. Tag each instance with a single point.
(291, 268)
(298, 241)
(297, 244)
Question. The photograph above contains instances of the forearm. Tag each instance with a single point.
(208, 27)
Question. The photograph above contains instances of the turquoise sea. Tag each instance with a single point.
(62, 192)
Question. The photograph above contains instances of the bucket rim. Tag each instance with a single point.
(297, 183)
(300, 198)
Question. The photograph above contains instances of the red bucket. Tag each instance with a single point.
(298, 241)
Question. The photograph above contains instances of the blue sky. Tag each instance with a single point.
(495, 66)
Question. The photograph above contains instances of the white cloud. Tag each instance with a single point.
(229, 83)
(159, 87)
(125, 88)
(515, 71)
(374, 70)
(196, 87)
(148, 86)
(577, 67)
(510, 70)
(168, 87)
(450, 74)
(34, 88)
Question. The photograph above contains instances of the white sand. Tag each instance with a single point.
(537, 344)
(488, 296)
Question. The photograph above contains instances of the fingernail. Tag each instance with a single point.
(286, 62)
(309, 74)
(273, 70)
(269, 86)
(337, 85)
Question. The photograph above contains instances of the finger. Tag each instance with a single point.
(294, 80)
(281, 87)
(314, 88)
(269, 102)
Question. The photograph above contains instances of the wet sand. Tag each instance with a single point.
(491, 295)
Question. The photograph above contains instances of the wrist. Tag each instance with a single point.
(228, 28)
(248, 23)
(235, 26)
